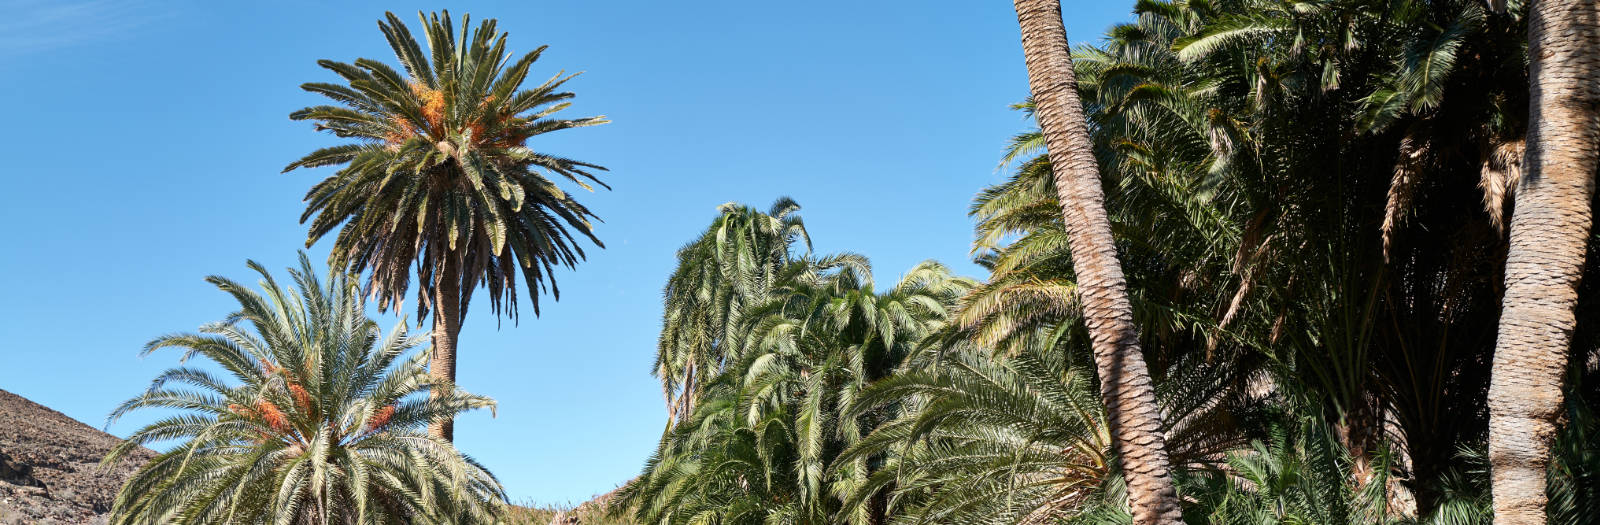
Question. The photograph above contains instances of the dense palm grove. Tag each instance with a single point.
(1311, 203)
(1262, 278)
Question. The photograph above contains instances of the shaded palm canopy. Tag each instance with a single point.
(301, 411)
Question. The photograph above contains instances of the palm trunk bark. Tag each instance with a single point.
(1549, 228)
(1130, 400)
(446, 328)
(1359, 434)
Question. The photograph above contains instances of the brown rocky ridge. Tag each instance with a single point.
(50, 469)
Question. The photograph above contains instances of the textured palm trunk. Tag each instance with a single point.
(1131, 409)
(1358, 433)
(1549, 228)
(446, 328)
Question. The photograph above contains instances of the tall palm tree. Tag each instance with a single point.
(441, 177)
(318, 419)
(1549, 232)
(1133, 415)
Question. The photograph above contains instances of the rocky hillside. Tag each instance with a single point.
(50, 466)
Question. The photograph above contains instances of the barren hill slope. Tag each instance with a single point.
(50, 466)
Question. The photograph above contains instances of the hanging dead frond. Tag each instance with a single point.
(1219, 133)
(1402, 187)
(1252, 248)
(1502, 168)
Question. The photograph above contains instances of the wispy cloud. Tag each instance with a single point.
(30, 26)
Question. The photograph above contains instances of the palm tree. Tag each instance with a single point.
(1299, 476)
(759, 443)
(441, 177)
(728, 270)
(717, 466)
(988, 440)
(1549, 231)
(826, 335)
(1131, 409)
(1017, 434)
(321, 422)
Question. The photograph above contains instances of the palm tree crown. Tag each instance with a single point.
(763, 349)
(324, 425)
(441, 171)
(730, 269)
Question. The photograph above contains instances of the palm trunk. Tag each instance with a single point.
(1549, 228)
(446, 328)
(1359, 432)
(1130, 400)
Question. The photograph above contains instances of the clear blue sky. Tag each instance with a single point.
(143, 143)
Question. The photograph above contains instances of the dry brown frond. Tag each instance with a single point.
(1402, 187)
(1252, 247)
(1502, 168)
(1217, 133)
